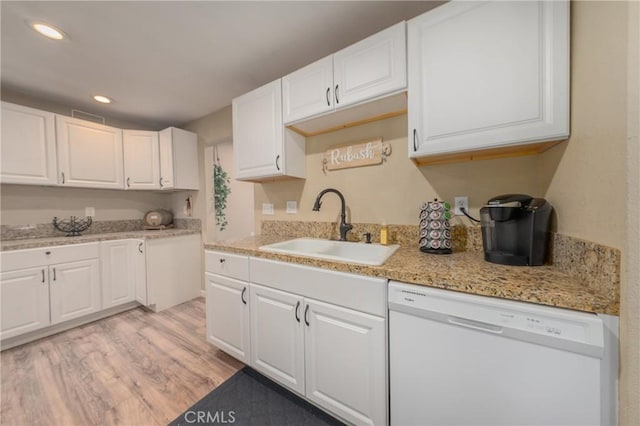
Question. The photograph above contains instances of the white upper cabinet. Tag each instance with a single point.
(308, 91)
(28, 146)
(141, 159)
(263, 148)
(179, 168)
(89, 154)
(373, 67)
(488, 75)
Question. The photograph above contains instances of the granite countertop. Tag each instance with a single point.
(28, 243)
(464, 271)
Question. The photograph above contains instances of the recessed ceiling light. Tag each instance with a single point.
(102, 99)
(48, 31)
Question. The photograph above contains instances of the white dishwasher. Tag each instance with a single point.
(460, 359)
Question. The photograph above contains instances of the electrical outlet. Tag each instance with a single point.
(89, 211)
(461, 202)
(292, 207)
(267, 208)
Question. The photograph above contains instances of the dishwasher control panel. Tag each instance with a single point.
(536, 323)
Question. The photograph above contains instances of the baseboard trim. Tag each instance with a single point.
(58, 328)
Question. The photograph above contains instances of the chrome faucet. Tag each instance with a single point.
(344, 226)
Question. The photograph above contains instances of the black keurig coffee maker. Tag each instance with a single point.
(515, 229)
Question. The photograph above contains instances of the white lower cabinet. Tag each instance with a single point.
(123, 272)
(320, 333)
(228, 315)
(75, 289)
(345, 354)
(25, 301)
(277, 336)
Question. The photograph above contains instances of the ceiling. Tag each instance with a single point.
(170, 62)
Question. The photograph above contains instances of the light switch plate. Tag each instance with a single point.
(292, 207)
(267, 208)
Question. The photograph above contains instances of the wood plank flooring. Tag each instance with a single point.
(135, 368)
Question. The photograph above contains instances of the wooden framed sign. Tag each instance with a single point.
(358, 155)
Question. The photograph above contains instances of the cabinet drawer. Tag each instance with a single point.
(227, 264)
(20, 259)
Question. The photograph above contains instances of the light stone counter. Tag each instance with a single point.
(464, 271)
(28, 243)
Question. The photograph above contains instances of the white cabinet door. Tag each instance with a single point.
(25, 301)
(140, 272)
(28, 146)
(228, 315)
(488, 75)
(277, 336)
(179, 167)
(141, 159)
(308, 91)
(75, 289)
(346, 363)
(372, 67)
(89, 154)
(257, 132)
(118, 264)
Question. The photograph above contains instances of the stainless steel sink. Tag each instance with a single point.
(341, 251)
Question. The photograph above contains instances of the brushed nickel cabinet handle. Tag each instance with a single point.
(42, 275)
(244, 290)
(161, 185)
(336, 93)
(278, 162)
(140, 247)
(297, 308)
(306, 315)
(415, 145)
(128, 183)
(54, 274)
(62, 178)
(328, 100)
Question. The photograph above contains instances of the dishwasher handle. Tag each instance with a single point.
(476, 325)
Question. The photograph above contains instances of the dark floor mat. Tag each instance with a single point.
(249, 399)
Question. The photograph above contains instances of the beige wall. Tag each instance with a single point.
(630, 291)
(216, 129)
(393, 191)
(25, 204)
(588, 184)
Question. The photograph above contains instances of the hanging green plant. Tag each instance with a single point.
(221, 190)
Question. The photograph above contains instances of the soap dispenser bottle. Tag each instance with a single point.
(384, 234)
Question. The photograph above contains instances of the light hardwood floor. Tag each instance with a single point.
(135, 368)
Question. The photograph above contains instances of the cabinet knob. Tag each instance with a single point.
(222, 260)
(47, 253)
